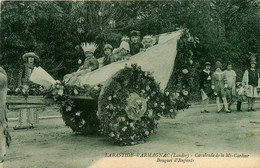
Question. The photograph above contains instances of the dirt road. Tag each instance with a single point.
(53, 145)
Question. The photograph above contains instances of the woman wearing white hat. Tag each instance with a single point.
(27, 116)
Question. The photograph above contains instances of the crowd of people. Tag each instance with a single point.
(224, 86)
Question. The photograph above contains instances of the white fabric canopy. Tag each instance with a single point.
(158, 59)
(41, 77)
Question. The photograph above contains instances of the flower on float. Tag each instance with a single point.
(147, 88)
(191, 61)
(171, 110)
(146, 132)
(78, 114)
(143, 91)
(57, 86)
(109, 98)
(185, 92)
(83, 122)
(123, 119)
(112, 134)
(96, 88)
(162, 103)
(185, 71)
(120, 139)
(163, 107)
(150, 113)
(60, 92)
(155, 104)
(151, 131)
(145, 73)
(58, 82)
(131, 124)
(107, 107)
(114, 96)
(132, 137)
(132, 143)
(123, 129)
(76, 92)
(167, 93)
(79, 61)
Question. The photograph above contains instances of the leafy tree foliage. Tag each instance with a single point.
(227, 30)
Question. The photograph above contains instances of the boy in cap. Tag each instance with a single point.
(108, 53)
(135, 43)
(205, 87)
(27, 116)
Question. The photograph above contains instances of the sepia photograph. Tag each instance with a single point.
(130, 84)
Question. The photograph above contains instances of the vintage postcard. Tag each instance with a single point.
(130, 84)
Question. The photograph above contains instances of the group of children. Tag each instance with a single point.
(224, 86)
(129, 46)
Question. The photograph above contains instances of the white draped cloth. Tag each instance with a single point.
(158, 59)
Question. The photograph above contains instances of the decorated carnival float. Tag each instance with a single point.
(123, 100)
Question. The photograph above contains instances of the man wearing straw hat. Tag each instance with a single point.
(27, 116)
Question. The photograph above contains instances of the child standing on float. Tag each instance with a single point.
(29, 115)
(205, 87)
(219, 86)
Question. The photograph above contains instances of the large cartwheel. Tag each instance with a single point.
(129, 106)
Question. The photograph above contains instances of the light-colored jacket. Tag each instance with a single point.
(4, 135)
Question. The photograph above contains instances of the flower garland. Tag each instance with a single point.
(181, 81)
(131, 106)
(78, 114)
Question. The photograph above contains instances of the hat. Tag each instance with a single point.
(135, 33)
(124, 45)
(90, 47)
(239, 83)
(116, 51)
(30, 54)
(253, 58)
(108, 46)
(207, 63)
(149, 39)
(125, 38)
(218, 64)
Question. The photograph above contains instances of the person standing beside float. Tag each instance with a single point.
(29, 115)
(205, 87)
(251, 80)
(230, 79)
(219, 86)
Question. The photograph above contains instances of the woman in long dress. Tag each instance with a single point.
(219, 86)
(252, 85)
